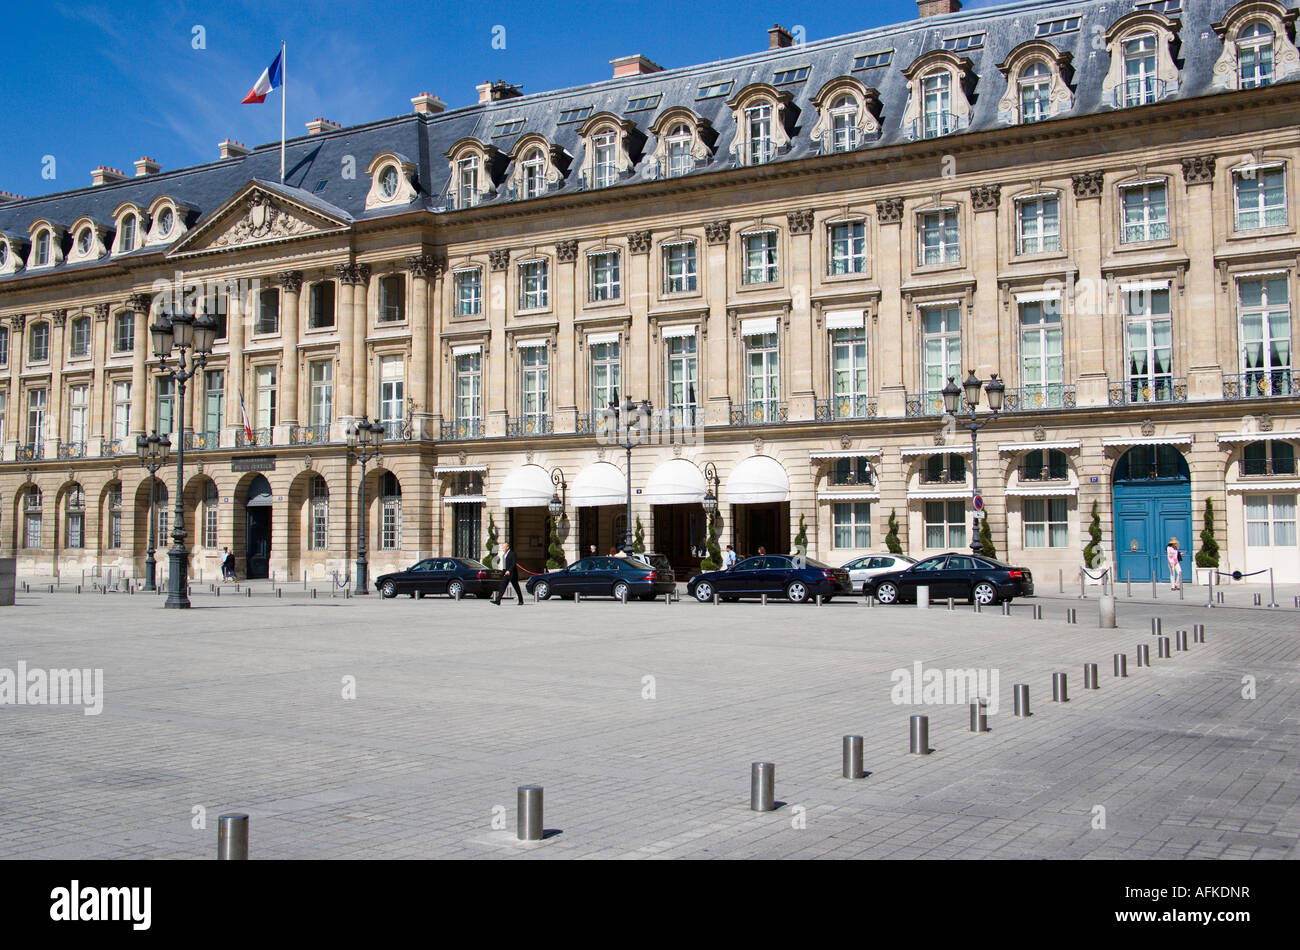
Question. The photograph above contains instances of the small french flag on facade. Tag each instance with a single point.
(272, 78)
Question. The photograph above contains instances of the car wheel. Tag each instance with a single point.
(796, 592)
(542, 590)
(704, 592)
(389, 589)
(984, 594)
(455, 590)
(621, 590)
(887, 593)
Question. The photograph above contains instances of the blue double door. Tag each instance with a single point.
(1147, 515)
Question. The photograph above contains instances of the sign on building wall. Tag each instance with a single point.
(253, 463)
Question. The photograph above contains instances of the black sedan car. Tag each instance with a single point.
(603, 576)
(777, 574)
(453, 576)
(981, 580)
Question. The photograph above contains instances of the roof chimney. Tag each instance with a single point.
(427, 104)
(634, 65)
(931, 8)
(232, 149)
(9, 196)
(779, 37)
(103, 175)
(319, 125)
(146, 166)
(496, 91)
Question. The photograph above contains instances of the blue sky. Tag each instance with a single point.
(104, 84)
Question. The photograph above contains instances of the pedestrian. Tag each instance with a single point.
(761, 550)
(227, 565)
(729, 558)
(1175, 564)
(509, 575)
(591, 550)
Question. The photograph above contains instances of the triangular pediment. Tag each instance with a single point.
(262, 213)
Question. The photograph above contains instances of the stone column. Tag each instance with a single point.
(636, 378)
(713, 370)
(890, 329)
(235, 317)
(565, 372)
(422, 268)
(140, 305)
(347, 280)
(1086, 302)
(982, 336)
(54, 425)
(1201, 338)
(9, 451)
(802, 352)
(438, 354)
(98, 354)
(360, 326)
(290, 320)
(496, 379)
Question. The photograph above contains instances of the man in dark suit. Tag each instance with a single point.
(509, 575)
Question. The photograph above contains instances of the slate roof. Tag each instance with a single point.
(314, 162)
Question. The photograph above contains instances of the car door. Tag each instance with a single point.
(743, 578)
(924, 573)
(566, 581)
(418, 577)
(444, 570)
(777, 572)
(957, 576)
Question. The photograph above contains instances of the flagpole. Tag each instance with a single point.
(284, 92)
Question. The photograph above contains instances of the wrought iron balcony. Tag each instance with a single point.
(850, 478)
(532, 424)
(1034, 398)
(1144, 391)
(1139, 92)
(827, 140)
(1043, 473)
(678, 417)
(31, 452)
(202, 441)
(925, 404)
(759, 413)
(1261, 384)
(935, 124)
(590, 423)
(259, 438)
(72, 450)
(115, 447)
(845, 407)
(309, 435)
(942, 478)
(398, 430)
(457, 429)
(1267, 466)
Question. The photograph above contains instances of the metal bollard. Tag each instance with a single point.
(951, 603)
(1038, 611)
(1083, 591)
(232, 838)
(819, 600)
(1257, 600)
(923, 596)
(1006, 608)
(978, 608)
(1106, 612)
(979, 717)
(1060, 580)
(763, 599)
(1219, 595)
(853, 756)
(279, 592)
(1163, 653)
(313, 593)
(1071, 615)
(920, 735)
(1198, 633)
(1129, 583)
(528, 813)
(1181, 588)
(624, 595)
(1121, 664)
(762, 786)
(1021, 693)
(1180, 640)
(1154, 595)
(248, 591)
(1143, 654)
(1090, 676)
(1157, 626)
(716, 599)
(1060, 692)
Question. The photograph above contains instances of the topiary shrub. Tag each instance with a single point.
(891, 538)
(1208, 555)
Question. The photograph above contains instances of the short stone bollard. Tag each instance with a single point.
(1090, 676)
(869, 601)
(762, 786)
(248, 592)
(1163, 651)
(853, 757)
(1143, 654)
(279, 592)
(528, 813)
(1060, 692)
(1071, 615)
(1020, 692)
(1121, 664)
(977, 608)
(232, 838)
(313, 593)
(1198, 633)
(1106, 611)
(919, 735)
(577, 597)
(1180, 640)
(923, 596)
(979, 716)
(1156, 626)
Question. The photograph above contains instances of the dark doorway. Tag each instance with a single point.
(761, 526)
(257, 533)
(680, 534)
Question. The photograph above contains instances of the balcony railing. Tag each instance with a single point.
(838, 479)
(1267, 466)
(518, 426)
(826, 141)
(589, 423)
(678, 417)
(259, 438)
(845, 407)
(942, 478)
(932, 125)
(72, 450)
(1144, 391)
(1043, 473)
(30, 453)
(925, 404)
(108, 449)
(309, 435)
(1139, 92)
(202, 441)
(1034, 398)
(398, 430)
(1261, 384)
(764, 412)
(457, 429)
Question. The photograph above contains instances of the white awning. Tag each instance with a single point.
(1030, 446)
(677, 331)
(756, 326)
(447, 469)
(935, 493)
(845, 319)
(858, 495)
(600, 483)
(467, 350)
(1136, 286)
(758, 479)
(527, 487)
(525, 344)
(1038, 296)
(464, 499)
(1259, 436)
(593, 339)
(936, 450)
(1044, 491)
(846, 454)
(675, 482)
(1151, 440)
(1265, 486)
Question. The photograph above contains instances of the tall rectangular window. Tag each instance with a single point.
(534, 291)
(849, 371)
(467, 182)
(220, 313)
(1264, 312)
(936, 103)
(214, 401)
(38, 349)
(1042, 360)
(683, 371)
(852, 521)
(392, 385)
(267, 395)
(679, 268)
(121, 409)
(945, 524)
(604, 164)
(763, 376)
(322, 305)
(78, 414)
(4, 346)
(1260, 198)
(268, 311)
(164, 405)
(1150, 351)
(4, 397)
(1038, 225)
(210, 514)
(1255, 56)
(761, 264)
(1146, 212)
(35, 417)
(604, 282)
(321, 381)
(124, 332)
(605, 368)
(848, 248)
(939, 237)
(1140, 70)
(941, 347)
(320, 513)
(1035, 90)
(469, 292)
(392, 299)
(114, 538)
(758, 127)
(79, 345)
(1046, 523)
(469, 391)
(534, 387)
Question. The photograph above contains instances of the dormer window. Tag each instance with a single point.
(166, 221)
(605, 168)
(1140, 83)
(844, 128)
(1258, 46)
(126, 240)
(388, 182)
(762, 115)
(467, 187)
(679, 151)
(43, 249)
(1035, 86)
(392, 181)
(611, 147)
(846, 115)
(682, 142)
(84, 239)
(758, 134)
(1142, 68)
(1255, 56)
(936, 108)
(534, 176)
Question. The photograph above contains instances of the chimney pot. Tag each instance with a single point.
(496, 91)
(929, 8)
(634, 65)
(103, 175)
(319, 125)
(146, 166)
(427, 104)
(232, 149)
(779, 37)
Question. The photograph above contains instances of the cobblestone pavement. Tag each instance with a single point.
(238, 705)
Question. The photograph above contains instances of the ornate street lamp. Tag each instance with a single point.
(364, 441)
(559, 500)
(710, 499)
(969, 392)
(626, 417)
(152, 451)
(192, 341)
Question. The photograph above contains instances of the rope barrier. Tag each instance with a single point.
(1095, 577)
(1237, 575)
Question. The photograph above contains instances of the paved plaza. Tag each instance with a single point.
(641, 722)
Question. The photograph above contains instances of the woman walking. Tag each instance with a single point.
(1175, 564)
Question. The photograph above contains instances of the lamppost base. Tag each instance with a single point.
(150, 573)
(362, 586)
(178, 579)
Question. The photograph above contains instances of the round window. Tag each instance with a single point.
(388, 181)
(165, 221)
(83, 241)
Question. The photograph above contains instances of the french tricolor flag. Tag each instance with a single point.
(272, 78)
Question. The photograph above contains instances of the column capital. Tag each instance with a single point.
(1199, 169)
(60, 317)
(426, 265)
(290, 281)
(889, 210)
(717, 232)
(499, 258)
(638, 242)
(101, 312)
(140, 303)
(566, 252)
(17, 322)
(801, 221)
(1088, 184)
(985, 197)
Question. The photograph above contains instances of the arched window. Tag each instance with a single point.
(844, 124)
(1043, 465)
(758, 133)
(680, 160)
(944, 468)
(390, 512)
(32, 502)
(1035, 87)
(210, 508)
(1268, 458)
(1151, 462)
(1255, 55)
(467, 184)
(75, 518)
(320, 514)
